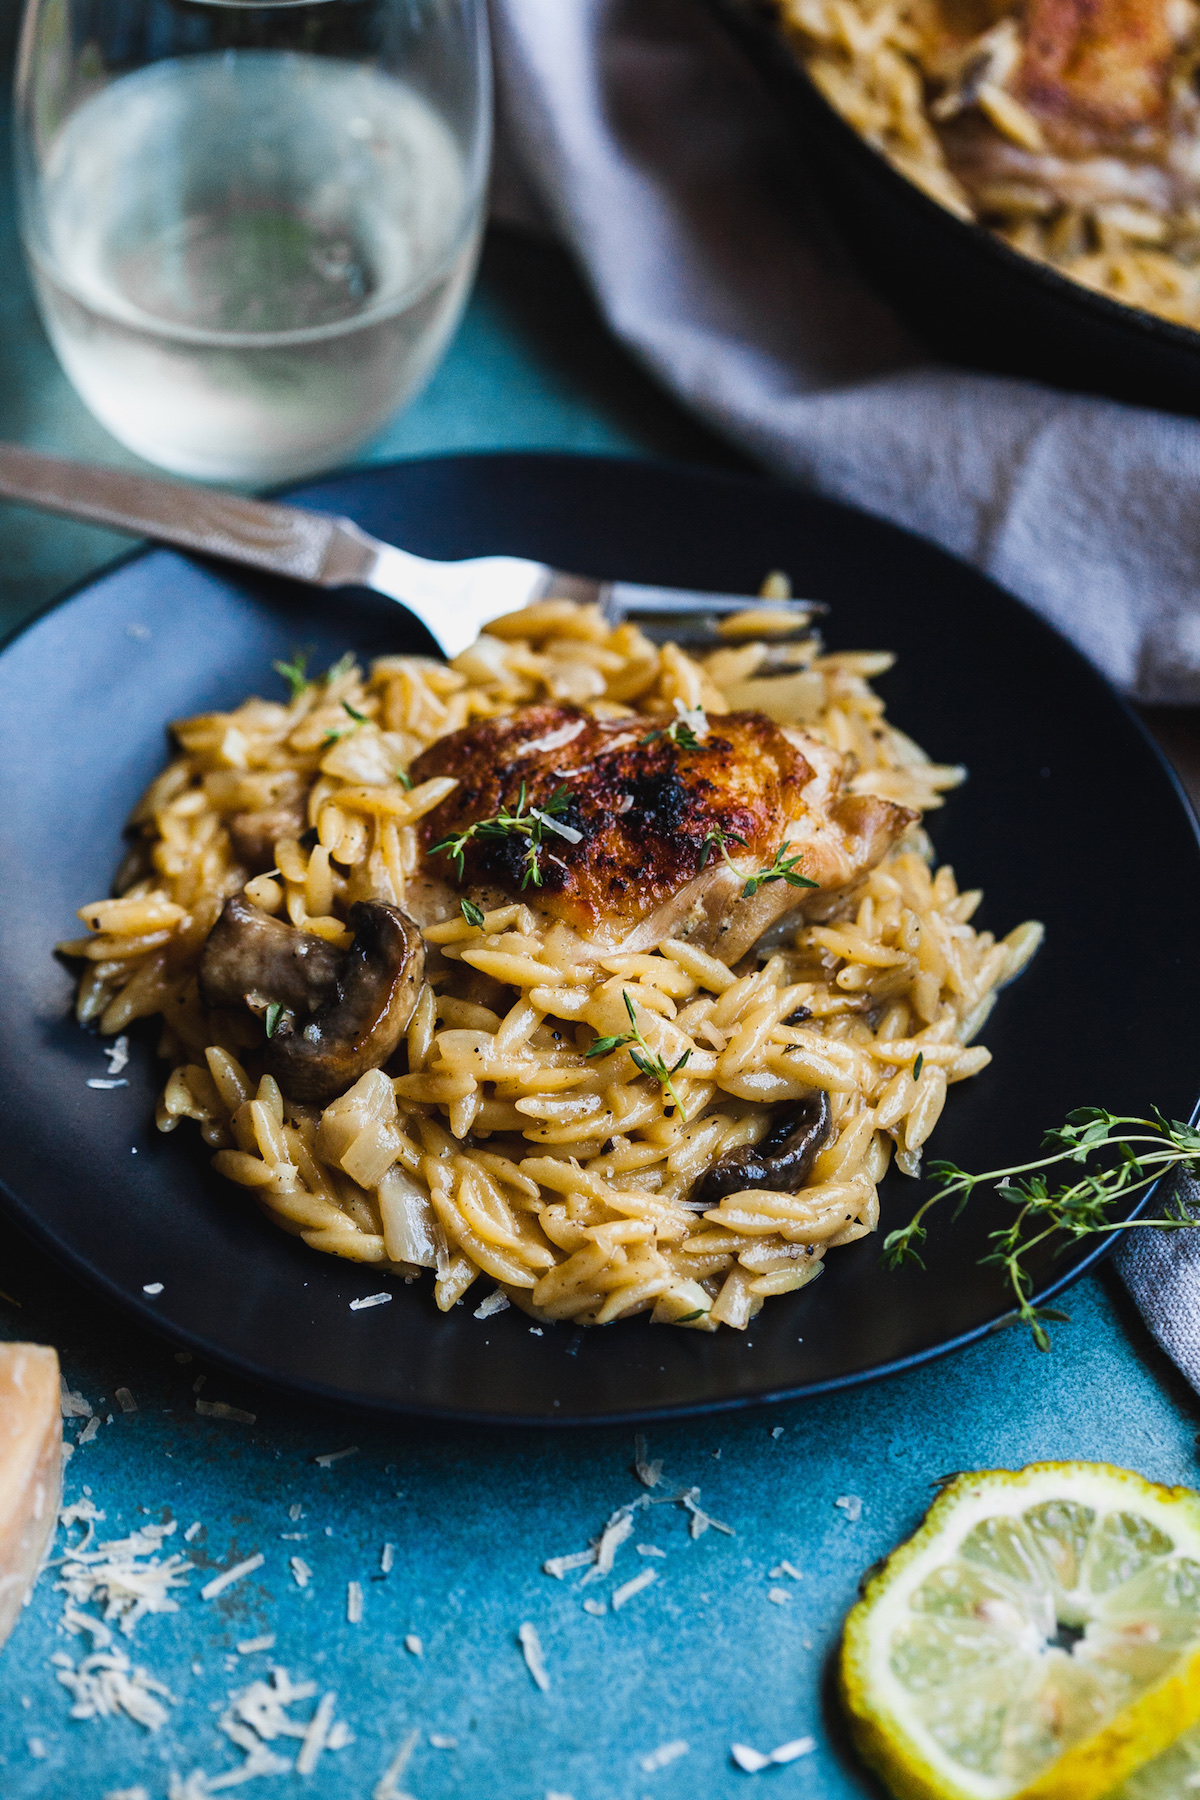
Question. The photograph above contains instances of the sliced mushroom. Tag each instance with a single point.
(254, 835)
(251, 960)
(345, 1010)
(782, 1161)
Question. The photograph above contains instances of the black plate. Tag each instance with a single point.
(1060, 772)
(958, 287)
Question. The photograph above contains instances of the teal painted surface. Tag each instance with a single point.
(702, 1655)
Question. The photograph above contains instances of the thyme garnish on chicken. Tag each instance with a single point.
(688, 730)
(526, 821)
(1134, 1154)
(643, 1056)
(783, 868)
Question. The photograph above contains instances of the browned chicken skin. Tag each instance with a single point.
(1095, 71)
(1092, 77)
(640, 863)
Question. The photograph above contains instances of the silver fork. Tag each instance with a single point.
(453, 600)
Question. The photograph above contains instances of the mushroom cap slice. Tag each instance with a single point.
(782, 1161)
(359, 1026)
(251, 959)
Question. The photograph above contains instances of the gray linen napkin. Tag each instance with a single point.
(1161, 1269)
(649, 147)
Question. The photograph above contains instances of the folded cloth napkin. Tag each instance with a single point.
(650, 148)
(663, 164)
(1161, 1269)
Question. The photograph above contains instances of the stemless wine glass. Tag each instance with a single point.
(251, 224)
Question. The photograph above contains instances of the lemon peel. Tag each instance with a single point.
(1037, 1638)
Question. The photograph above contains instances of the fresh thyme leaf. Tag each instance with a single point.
(918, 1065)
(644, 1058)
(359, 718)
(1105, 1160)
(405, 780)
(687, 730)
(295, 673)
(341, 667)
(717, 839)
(782, 869)
(472, 914)
(274, 1013)
(606, 1045)
(530, 822)
(701, 1312)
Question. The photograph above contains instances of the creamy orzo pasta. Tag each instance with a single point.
(624, 998)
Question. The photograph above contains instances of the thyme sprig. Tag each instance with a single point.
(688, 730)
(295, 672)
(531, 822)
(1132, 1154)
(783, 868)
(644, 1058)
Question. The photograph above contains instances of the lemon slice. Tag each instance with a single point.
(1175, 1775)
(1037, 1638)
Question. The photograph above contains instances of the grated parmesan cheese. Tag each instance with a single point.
(126, 1401)
(301, 1573)
(73, 1404)
(218, 1409)
(851, 1505)
(663, 1756)
(777, 1431)
(753, 1760)
(334, 1456)
(89, 1431)
(387, 1559)
(700, 1520)
(618, 1528)
(123, 1575)
(779, 1596)
(153, 1288)
(192, 1531)
(535, 1662)
(118, 1054)
(597, 1608)
(226, 1579)
(388, 1785)
(629, 1588)
(786, 1568)
(369, 1300)
(106, 1683)
(316, 1735)
(496, 1302)
(413, 1645)
(648, 1473)
(441, 1742)
(251, 1646)
(558, 1566)
(649, 1550)
(354, 1602)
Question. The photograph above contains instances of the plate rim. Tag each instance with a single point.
(17, 1214)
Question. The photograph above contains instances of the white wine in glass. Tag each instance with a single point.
(251, 227)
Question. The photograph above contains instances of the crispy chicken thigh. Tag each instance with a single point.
(1094, 78)
(638, 861)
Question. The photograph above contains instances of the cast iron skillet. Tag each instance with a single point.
(1060, 773)
(960, 289)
